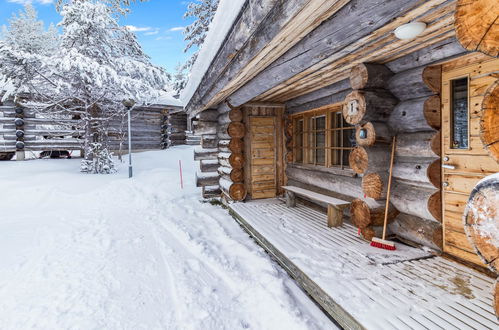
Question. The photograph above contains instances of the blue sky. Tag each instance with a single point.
(158, 25)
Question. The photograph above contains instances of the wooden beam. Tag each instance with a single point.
(343, 35)
(383, 49)
(305, 21)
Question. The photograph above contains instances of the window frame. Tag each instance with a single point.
(308, 152)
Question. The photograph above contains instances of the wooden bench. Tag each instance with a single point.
(335, 206)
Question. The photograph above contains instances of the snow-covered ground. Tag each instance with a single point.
(105, 252)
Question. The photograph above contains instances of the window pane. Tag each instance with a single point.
(459, 113)
(299, 141)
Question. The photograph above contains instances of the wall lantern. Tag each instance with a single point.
(410, 30)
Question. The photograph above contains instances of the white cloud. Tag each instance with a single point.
(23, 2)
(178, 28)
(138, 29)
(151, 33)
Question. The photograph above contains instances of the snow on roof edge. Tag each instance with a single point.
(227, 13)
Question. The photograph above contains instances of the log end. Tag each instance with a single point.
(358, 160)
(432, 109)
(481, 221)
(237, 192)
(476, 25)
(354, 107)
(372, 185)
(360, 213)
(434, 173)
(489, 124)
(365, 135)
(435, 205)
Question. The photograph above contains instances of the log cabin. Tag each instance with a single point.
(155, 126)
(305, 97)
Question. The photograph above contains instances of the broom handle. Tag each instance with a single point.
(389, 187)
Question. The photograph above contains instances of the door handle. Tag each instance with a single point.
(449, 167)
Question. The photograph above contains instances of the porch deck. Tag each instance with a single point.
(364, 287)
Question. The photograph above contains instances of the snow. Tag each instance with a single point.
(107, 252)
(227, 13)
(167, 98)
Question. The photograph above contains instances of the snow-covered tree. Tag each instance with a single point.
(179, 78)
(98, 65)
(195, 34)
(119, 6)
(26, 32)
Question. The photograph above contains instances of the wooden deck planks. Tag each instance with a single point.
(412, 293)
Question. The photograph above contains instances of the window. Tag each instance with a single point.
(323, 138)
(459, 114)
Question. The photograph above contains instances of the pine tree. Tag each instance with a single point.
(195, 34)
(28, 34)
(179, 78)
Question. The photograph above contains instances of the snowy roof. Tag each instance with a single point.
(227, 13)
(167, 98)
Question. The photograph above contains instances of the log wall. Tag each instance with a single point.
(414, 82)
(153, 128)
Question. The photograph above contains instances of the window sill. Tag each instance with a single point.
(331, 170)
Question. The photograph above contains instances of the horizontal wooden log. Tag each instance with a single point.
(370, 232)
(211, 191)
(343, 187)
(236, 146)
(476, 26)
(235, 191)
(232, 130)
(205, 154)
(207, 179)
(374, 185)
(409, 84)
(205, 128)
(209, 165)
(374, 159)
(232, 160)
(209, 141)
(432, 111)
(420, 144)
(235, 175)
(372, 133)
(432, 77)
(369, 76)
(489, 128)
(208, 115)
(409, 116)
(418, 171)
(480, 221)
(234, 115)
(363, 216)
(339, 31)
(423, 202)
(418, 230)
(364, 106)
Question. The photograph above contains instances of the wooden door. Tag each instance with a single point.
(464, 158)
(263, 154)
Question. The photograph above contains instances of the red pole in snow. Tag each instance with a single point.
(181, 178)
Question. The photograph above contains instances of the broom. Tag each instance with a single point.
(382, 243)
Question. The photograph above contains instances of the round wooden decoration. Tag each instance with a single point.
(358, 160)
(372, 185)
(477, 25)
(489, 123)
(237, 192)
(365, 135)
(481, 221)
(354, 107)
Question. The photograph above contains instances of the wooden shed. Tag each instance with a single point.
(309, 95)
